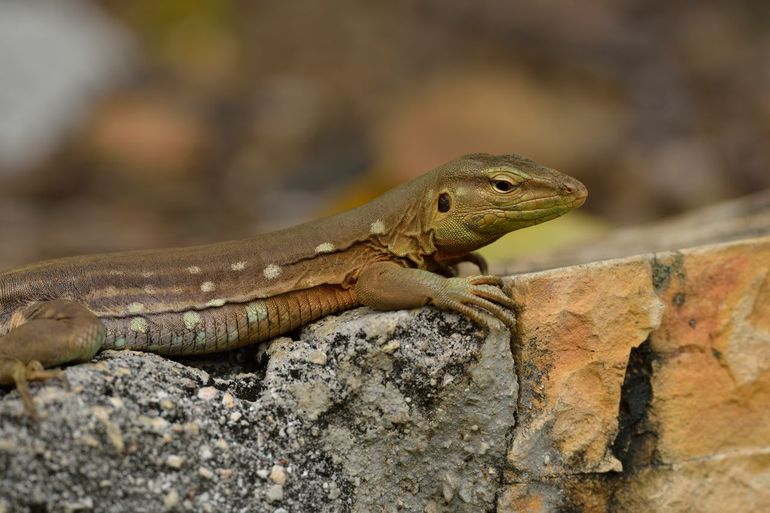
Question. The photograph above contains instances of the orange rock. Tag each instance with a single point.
(721, 484)
(711, 379)
(697, 437)
(577, 327)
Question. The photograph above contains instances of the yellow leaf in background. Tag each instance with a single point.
(570, 229)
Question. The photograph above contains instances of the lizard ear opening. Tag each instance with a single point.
(444, 202)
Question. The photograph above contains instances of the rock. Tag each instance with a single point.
(381, 427)
(645, 384)
(278, 475)
(640, 384)
(208, 393)
(175, 461)
(317, 357)
(710, 381)
(274, 493)
(576, 331)
(390, 422)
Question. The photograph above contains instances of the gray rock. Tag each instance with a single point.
(410, 412)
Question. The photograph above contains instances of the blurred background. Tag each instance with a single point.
(149, 123)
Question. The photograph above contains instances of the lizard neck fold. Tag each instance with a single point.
(406, 222)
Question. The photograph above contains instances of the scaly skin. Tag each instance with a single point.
(397, 251)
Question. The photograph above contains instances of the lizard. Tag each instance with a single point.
(398, 251)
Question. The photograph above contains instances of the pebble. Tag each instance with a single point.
(157, 424)
(317, 357)
(278, 475)
(334, 491)
(391, 347)
(449, 487)
(207, 393)
(225, 473)
(191, 428)
(431, 507)
(205, 473)
(171, 500)
(274, 493)
(175, 461)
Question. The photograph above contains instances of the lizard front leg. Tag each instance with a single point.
(388, 286)
(49, 333)
(473, 258)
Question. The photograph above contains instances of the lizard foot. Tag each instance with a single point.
(474, 295)
(21, 375)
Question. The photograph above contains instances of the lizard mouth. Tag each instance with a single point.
(579, 193)
(539, 210)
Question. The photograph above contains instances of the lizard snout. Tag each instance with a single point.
(575, 189)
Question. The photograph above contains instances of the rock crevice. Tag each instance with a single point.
(679, 399)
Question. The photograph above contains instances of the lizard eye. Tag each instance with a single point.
(444, 202)
(503, 185)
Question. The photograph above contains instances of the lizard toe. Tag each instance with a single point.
(495, 295)
(486, 279)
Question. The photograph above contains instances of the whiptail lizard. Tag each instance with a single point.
(398, 251)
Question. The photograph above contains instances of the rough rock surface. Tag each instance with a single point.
(640, 384)
(645, 384)
(400, 411)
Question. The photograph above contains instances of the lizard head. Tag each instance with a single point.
(481, 197)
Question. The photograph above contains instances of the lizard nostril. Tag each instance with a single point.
(568, 188)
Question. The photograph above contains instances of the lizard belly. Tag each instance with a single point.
(225, 327)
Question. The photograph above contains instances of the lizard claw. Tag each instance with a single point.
(474, 258)
(22, 374)
(476, 295)
(36, 372)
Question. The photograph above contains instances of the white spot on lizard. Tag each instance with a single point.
(138, 324)
(272, 272)
(208, 286)
(238, 266)
(326, 247)
(148, 274)
(135, 308)
(150, 289)
(191, 319)
(377, 228)
(194, 269)
(256, 311)
(216, 302)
